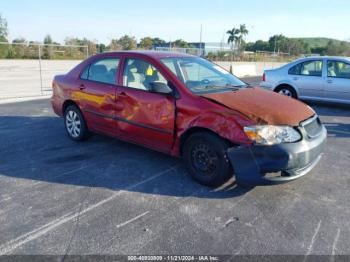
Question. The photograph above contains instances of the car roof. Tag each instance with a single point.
(324, 57)
(150, 53)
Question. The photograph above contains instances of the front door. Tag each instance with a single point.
(142, 116)
(97, 94)
(337, 85)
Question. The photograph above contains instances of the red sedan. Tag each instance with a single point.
(187, 106)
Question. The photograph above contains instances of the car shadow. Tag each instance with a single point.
(37, 149)
(330, 114)
(329, 109)
(338, 130)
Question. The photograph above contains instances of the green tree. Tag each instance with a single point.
(3, 29)
(157, 41)
(4, 49)
(276, 42)
(259, 45)
(115, 45)
(126, 42)
(20, 49)
(180, 43)
(48, 51)
(233, 39)
(336, 48)
(243, 31)
(48, 40)
(295, 47)
(146, 42)
(101, 48)
(80, 52)
(19, 40)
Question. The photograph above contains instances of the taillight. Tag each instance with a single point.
(264, 77)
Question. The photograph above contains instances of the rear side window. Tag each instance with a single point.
(103, 71)
(308, 68)
(337, 69)
(295, 70)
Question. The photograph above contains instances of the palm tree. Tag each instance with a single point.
(243, 31)
(233, 39)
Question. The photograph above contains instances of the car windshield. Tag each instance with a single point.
(201, 76)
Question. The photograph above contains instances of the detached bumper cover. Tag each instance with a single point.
(250, 163)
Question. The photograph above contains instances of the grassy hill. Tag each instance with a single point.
(318, 41)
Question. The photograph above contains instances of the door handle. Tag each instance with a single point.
(295, 78)
(82, 87)
(329, 81)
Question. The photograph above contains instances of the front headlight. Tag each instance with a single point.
(270, 135)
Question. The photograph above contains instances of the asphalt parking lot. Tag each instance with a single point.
(104, 196)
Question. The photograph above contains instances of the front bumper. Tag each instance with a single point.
(294, 160)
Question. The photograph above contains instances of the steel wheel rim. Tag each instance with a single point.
(285, 92)
(204, 159)
(73, 124)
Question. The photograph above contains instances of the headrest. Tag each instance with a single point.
(98, 69)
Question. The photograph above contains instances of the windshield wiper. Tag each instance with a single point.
(236, 86)
(221, 87)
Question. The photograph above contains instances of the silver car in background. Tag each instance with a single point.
(312, 78)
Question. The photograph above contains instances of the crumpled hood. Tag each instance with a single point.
(264, 106)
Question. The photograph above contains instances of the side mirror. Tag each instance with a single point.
(159, 87)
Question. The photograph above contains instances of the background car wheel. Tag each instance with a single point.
(206, 160)
(75, 124)
(286, 91)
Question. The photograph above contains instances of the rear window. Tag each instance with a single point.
(308, 68)
(103, 71)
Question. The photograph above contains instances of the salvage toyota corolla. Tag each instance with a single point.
(187, 106)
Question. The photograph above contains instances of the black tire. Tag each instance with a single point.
(75, 124)
(286, 90)
(206, 160)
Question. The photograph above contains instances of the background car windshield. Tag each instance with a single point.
(201, 76)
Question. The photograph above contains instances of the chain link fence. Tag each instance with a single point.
(27, 69)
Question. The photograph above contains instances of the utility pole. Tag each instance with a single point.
(223, 41)
(200, 41)
(40, 71)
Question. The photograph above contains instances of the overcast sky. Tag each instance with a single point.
(102, 20)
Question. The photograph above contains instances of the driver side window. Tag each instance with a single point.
(140, 74)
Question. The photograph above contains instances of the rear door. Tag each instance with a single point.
(307, 76)
(97, 94)
(337, 82)
(142, 116)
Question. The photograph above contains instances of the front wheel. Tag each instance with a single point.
(75, 124)
(206, 160)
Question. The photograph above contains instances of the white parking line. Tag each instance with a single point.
(334, 247)
(310, 248)
(36, 233)
(132, 220)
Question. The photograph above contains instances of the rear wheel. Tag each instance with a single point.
(75, 124)
(206, 160)
(286, 91)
